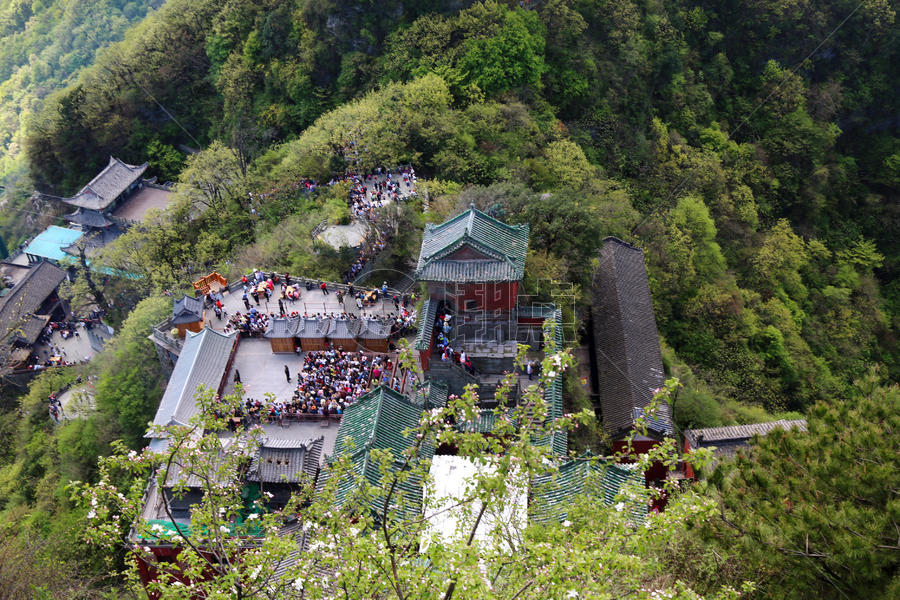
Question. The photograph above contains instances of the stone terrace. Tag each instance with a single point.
(312, 302)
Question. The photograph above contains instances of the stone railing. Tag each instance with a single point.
(162, 333)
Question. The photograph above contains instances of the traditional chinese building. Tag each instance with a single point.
(105, 193)
(473, 265)
(187, 315)
(25, 310)
(586, 475)
(627, 355)
(727, 441)
(204, 361)
(377, 420)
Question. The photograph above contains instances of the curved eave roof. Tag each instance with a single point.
(504, 247)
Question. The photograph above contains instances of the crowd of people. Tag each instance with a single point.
(252, 323)
(373, 190)
(365, 254)
(368, 193)
(259, 287)
(328, 382)
(442, 330)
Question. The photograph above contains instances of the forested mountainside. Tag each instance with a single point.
(43, 47)
(750, 148)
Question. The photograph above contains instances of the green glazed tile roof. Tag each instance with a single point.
(426, 325)
(433, 394)
(553, 396)
(502, 246)
(557, 441)
(585, 475)
(377, 420)
(483, 422)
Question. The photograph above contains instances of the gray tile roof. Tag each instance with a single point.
(286, 461)
(107, 185)
(202, 362)
(19, 304)
(311, 328)
(629, 362)
(496, 250)
(88, 218)
(728, 439)
(283, 327)
(371, 329)
(341, 329)
(187, 310)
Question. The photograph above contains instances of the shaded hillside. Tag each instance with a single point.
(43, 47)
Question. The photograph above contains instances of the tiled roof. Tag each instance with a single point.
(553, 395)
(50, 243)
(18, 305)
(88, 218)
(557, 440)
(433, 394)
(299, 536)
(426, 325)
(325, 327)
(202, 362)
(187, 310)
(629, 362)
(310, 328)
(342, 329)
(282, 327)
(107, 185)
(499, 250)
(484, 422)
(728, 439)
(376, 420)
(286, 461)
(372, 329)
(586, 475)
(194, 469)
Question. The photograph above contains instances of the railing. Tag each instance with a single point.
(161, 333)
(448, 366)
(288, 418)
(332, 286)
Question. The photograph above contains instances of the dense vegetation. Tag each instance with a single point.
(750, 148)
(43, 46)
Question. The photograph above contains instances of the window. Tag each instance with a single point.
(471, 304)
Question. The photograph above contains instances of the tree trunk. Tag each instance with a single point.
(95, 291)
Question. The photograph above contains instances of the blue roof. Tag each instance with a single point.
(50, 242)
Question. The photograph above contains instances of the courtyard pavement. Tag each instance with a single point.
(312, 302)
